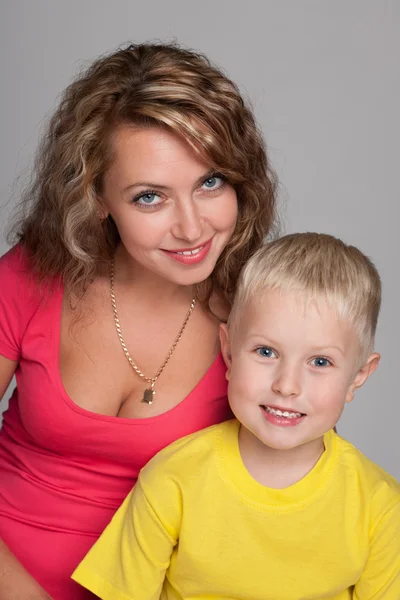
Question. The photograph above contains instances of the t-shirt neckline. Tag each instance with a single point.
(300, 493)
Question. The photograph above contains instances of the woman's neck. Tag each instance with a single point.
(146, 284)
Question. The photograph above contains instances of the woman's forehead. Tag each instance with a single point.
(151, 151)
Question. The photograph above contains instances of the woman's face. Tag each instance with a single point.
(174, 213)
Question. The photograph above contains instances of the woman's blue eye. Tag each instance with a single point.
(213, 182)
(266, 352)
(320, 362)
(147, 199)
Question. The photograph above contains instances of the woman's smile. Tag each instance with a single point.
(190, 256)
(168, 204)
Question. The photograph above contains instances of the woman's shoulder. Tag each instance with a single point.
(15, 260)
(17, 273)
(18, 279)
(20, 297)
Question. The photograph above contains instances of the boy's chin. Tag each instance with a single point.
(286, 443)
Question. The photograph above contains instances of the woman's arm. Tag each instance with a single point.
(7, 370)
(15, 581)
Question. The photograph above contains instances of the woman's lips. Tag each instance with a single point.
(190, 256)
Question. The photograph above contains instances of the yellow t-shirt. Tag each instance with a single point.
(197, 526)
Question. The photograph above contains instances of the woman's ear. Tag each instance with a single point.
(102, 211)
(362, 374)
(226, 347)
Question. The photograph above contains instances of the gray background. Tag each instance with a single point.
(323, 77)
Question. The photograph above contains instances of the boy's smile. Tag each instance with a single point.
(292, 365)
(281, 416)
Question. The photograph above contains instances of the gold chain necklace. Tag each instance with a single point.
(149, 394)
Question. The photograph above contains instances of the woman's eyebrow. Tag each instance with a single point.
(158, 186)
(147, 184)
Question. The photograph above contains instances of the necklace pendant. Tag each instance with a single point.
(148, 396)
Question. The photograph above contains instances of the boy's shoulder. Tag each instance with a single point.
(190, 453)
(366, 477)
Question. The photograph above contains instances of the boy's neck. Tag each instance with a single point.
(278, 468)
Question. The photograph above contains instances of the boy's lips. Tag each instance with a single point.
(281, 411)
(289, 409)
(282, 417)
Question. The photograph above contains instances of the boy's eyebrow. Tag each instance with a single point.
(321, 348)
(260, 338)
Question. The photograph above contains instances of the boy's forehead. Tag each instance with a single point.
(296, 302)
(295, 316)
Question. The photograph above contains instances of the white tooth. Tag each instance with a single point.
(279, 413)
(191, 252)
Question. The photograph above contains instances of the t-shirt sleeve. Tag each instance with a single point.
(130, 559)
(17, 301)
(381, 577)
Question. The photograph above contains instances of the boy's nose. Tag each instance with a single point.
(286, 382)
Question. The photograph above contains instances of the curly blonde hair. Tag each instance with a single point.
(148, 85)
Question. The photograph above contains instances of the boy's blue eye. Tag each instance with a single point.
(320, 361)
(266, 352)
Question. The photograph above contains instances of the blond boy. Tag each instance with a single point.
(272, 505)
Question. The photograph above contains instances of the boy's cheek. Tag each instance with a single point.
(245, 377)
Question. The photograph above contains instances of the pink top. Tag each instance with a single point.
(65, 470)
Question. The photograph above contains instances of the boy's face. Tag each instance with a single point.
(291, 368)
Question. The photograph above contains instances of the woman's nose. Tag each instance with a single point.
(188, 223)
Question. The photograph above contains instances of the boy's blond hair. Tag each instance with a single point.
(315, 265)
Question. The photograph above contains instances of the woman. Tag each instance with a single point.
(152, 189)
